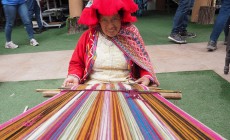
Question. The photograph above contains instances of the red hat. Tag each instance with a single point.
(107, 8)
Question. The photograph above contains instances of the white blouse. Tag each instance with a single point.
(110, 64)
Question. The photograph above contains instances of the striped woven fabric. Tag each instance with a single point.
(106, 111)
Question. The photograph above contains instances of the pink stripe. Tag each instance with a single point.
(20, 116)
(190, 118)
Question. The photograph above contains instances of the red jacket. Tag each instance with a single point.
(83, 58)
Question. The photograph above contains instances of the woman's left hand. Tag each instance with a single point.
(143, 80)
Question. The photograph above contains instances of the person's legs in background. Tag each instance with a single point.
(226, 31)
(31, 11)
(219, 25)
(178, 22)
(23, 12)
(10, 15)
(30, 5)
(37, 12)
(183, 29)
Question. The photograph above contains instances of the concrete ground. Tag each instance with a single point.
(165, 58)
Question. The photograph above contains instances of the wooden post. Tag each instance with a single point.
(160, 5)
(206, 15)
(75, 8)
(196, 8)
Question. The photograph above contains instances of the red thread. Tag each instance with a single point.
(32, 121)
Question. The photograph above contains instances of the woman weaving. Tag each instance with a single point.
(111, 50)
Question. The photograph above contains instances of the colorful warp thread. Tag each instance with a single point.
(112, 111)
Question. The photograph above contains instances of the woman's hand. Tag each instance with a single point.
(71, 81)
(143, 80)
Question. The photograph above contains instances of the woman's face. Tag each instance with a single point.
(110, 25)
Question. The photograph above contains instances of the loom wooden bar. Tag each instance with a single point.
(176, 96)
(50, 93)
(42, 90)
(168, 94)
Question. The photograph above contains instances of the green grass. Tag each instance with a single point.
(15, 96)
(51, 40)
(205, 96)
(154, 28)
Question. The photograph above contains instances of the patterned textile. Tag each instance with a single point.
(91, 52)
(106, 111)
(131, 43)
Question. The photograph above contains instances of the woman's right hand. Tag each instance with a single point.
(71, 81)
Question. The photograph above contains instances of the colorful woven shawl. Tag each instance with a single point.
(129, 41)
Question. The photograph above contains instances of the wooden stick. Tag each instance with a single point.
(50, 93)
(42, 90)
(168, 94)
(154, 88)
(175, 96)
(151, 90)
(166, 91)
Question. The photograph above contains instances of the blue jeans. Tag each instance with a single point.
(180, 20)
(10, 15)
(221, 20)
(34, 8)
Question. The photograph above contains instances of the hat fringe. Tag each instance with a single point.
(91, 17)
(129, 18)
(130, 6)
(107, 8)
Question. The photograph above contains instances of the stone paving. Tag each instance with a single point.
(165, 58)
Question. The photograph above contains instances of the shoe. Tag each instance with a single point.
(211, 45)
(175, 37)
(37, 31)
(10, 45)
(187, 34)
(43, 29)
(34, 42)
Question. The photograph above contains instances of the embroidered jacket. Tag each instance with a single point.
(128, 41)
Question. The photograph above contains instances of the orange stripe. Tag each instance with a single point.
(183, 128)
(18, 129)
(91, 125)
